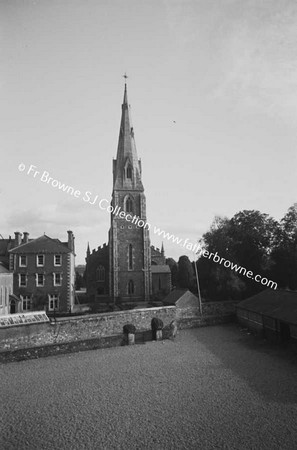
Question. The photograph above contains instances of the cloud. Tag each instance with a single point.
(259, 60)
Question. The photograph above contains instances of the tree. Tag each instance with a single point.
(248, 239)
(78, 281)
(185, 273)
(174, 270)
(284, 256)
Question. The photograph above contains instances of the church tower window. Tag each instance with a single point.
(129, 172)
(130, 287)
(130, 257)
(129, 205)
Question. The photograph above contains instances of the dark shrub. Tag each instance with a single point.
(157, 324)
(129, 329)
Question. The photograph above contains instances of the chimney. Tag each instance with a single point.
(70, 241)
(25, 237)
(17, 238)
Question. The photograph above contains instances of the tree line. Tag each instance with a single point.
(251, 239)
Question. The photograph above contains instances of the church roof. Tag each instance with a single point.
(162, 268)
(127, 154)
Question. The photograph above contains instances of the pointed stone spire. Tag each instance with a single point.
(88, 250)
(162, 249)
(127, 167)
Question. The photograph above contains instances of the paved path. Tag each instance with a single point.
(210, 389)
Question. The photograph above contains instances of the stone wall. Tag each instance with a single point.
(189, 316)
(81, 328)
(96, 328)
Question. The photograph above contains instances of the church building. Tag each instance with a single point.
(128, 269)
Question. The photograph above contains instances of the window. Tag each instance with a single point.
(39, 279)
(130, 287)
(58, 260)
(26, 302)
(100, 273)
(129, 172)
(129, 205)
(130, 257)
(40, 260)
(22, 280)
(57, 279)
(53, 302)
(23, 261)
(1, 296)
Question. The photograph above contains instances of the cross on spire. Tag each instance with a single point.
(125, 76)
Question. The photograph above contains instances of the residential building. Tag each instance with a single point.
(43, 273)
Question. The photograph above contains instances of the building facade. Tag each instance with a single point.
(6, 289)
(121, 270)
(43, 274)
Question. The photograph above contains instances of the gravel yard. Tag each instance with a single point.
(212, 388)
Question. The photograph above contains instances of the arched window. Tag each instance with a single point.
(129, 172)
(100, 273)
(130, 257)
(129, 205)
(130, 287)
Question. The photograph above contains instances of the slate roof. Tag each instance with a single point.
(278, 304)
(3, 268)
(174, 295)
(42, 244)
(162, 268)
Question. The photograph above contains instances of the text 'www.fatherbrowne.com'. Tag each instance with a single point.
(104, 204)
(199, 251)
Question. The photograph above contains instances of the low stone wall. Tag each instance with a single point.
(90, 331)
(81, 328)
(213, 313)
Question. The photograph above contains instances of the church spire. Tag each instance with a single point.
(126, 167)
(125, 101)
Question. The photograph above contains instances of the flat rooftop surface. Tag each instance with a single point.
(211, 388)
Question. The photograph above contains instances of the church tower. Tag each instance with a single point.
(129, 243)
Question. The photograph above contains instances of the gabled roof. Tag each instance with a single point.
(3, 268)
(161, 268)
(43, 244)
(181, 298)
(278, 304)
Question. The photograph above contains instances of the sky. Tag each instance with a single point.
(212, 86)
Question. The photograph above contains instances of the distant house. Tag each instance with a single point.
(273, 313)
(43, 274)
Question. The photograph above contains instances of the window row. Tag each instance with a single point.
(40, 260)
(40, 279)
(53, 302)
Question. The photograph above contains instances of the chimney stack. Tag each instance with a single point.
(25, 237)
(70, 241)
(17, 238)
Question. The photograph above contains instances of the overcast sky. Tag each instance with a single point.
(213, 90)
